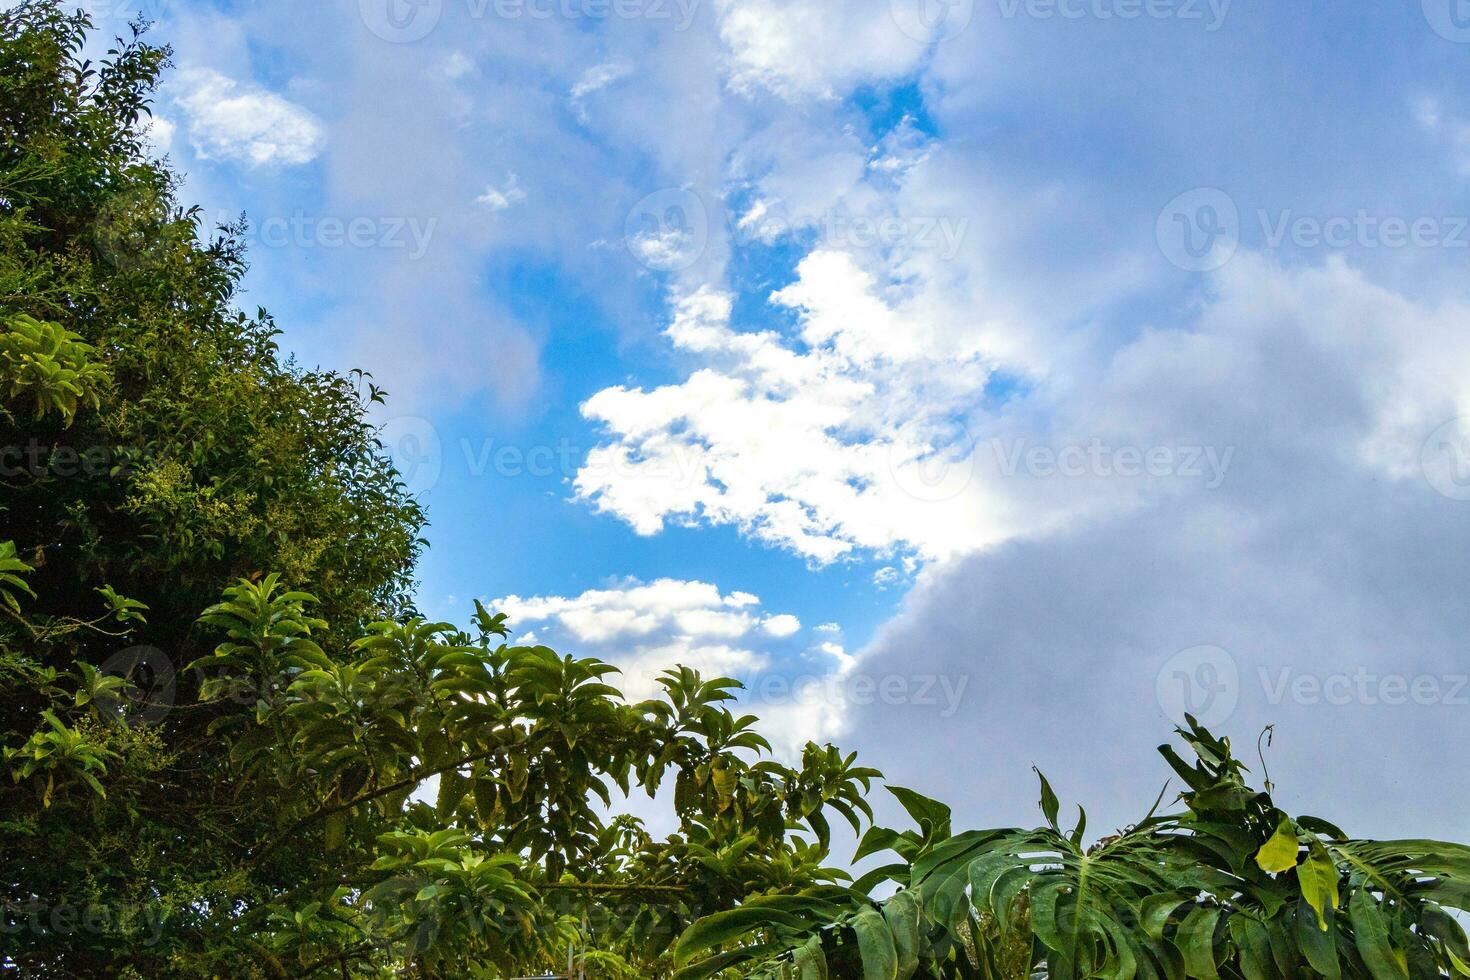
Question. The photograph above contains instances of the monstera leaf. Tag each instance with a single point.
(1229, 888)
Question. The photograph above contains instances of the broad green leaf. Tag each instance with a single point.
(1280, 852)
(1371, 937)
(1318, 878)
(875, 943)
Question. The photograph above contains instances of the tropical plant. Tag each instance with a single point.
(354, 865)
(1229, 887)
(296, 783)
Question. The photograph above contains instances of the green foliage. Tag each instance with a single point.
(58, 750)
(301, 784)
(11, 570)
(339, 856)
(1230, 887)
(49, 365)
(204, 456)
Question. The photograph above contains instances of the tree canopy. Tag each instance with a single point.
(231, 747)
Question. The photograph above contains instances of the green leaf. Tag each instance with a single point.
(1318, 878)
(811, 960)
(902, 913)
(875, 943)
(1371, 938)
(1317, 945)
(1280, 852)
(1196, 942)
(1049, 803)
(722, 927)
(931, 815)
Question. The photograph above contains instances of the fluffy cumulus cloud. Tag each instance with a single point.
(243, 123)
(1316, 589)
(1122, 489)
(810, 48)
(794, 681)
(851, 435)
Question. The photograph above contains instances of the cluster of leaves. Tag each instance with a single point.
(293, 784)
(120, 341)
(353, 869)
(49, 365)
(338, 785)
(1229, 887)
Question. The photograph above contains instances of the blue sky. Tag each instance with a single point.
(1088, 360)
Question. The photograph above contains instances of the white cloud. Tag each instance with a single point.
(159, 134)
(594, 80)
(230, 120)
(813, 48)
(457, 65)
(845, 440)
(502, 197)
(650, 626)
(599, 77)
(1326, 554)
(647, 627)
(782, 625)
